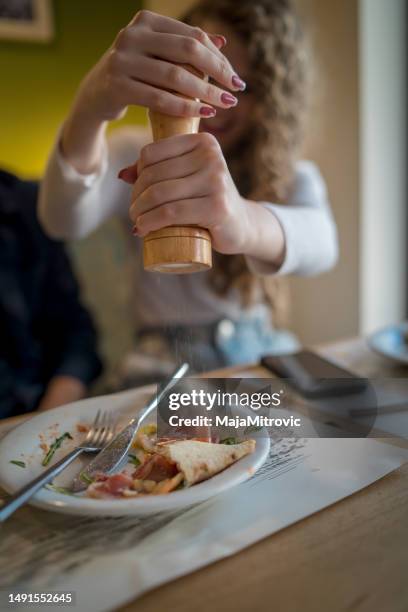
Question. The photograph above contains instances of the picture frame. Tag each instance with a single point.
(26, 20)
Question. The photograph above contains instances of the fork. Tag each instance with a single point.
(100, 434)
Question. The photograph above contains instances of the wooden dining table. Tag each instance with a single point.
(351, 556)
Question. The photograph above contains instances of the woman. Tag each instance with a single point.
(267, 214)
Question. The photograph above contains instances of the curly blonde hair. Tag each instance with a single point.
(262, 164)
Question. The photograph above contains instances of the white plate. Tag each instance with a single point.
(23, 443)
(391, 342)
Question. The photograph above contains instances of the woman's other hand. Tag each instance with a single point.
(184, 180)
(144, 66)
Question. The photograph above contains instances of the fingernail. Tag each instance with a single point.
(219, 40)
(123, 174)
(229, 99)
(140, 231)
(238, 83)
(134, 230)
(207, 111)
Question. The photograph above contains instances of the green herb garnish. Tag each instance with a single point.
(62, 490)
(133, 459)
(19, 463)
(85, 478)
(54, 447)
(231, 440)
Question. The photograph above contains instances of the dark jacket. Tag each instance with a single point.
(44, 329)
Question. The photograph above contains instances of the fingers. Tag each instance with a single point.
(163, 101)
(129, 174)
(186, 212)
(163, 24)
(174, 151)
(144, 67)
(218, 39)
(187, 50)
(168, 148)
(174, 77)
(175, 168)
(167, 191)
(175, 171)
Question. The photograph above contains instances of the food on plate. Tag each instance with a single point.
(133, 459)
(198, 461)
(18, 463)
(54, 447)
(164, 465)
(58, 489)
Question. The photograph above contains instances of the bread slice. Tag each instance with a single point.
(198, 461)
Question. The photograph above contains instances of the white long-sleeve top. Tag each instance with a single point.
(72, 205)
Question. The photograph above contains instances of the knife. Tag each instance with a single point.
(114, 453)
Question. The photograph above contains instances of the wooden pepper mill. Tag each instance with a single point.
(176, 249)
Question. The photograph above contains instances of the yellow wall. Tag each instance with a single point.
(38, 81)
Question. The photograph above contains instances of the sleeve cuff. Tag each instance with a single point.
(285, 216)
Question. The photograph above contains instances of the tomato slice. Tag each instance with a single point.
(156, 468)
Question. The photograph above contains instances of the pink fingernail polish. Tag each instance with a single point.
(219, 40)
(127, 174)
(229, 99)
(238, 83)
(207, 111)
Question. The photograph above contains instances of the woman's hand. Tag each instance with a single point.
(143, 67)
(184, 180)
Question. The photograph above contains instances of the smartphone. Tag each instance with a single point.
(312, 375)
